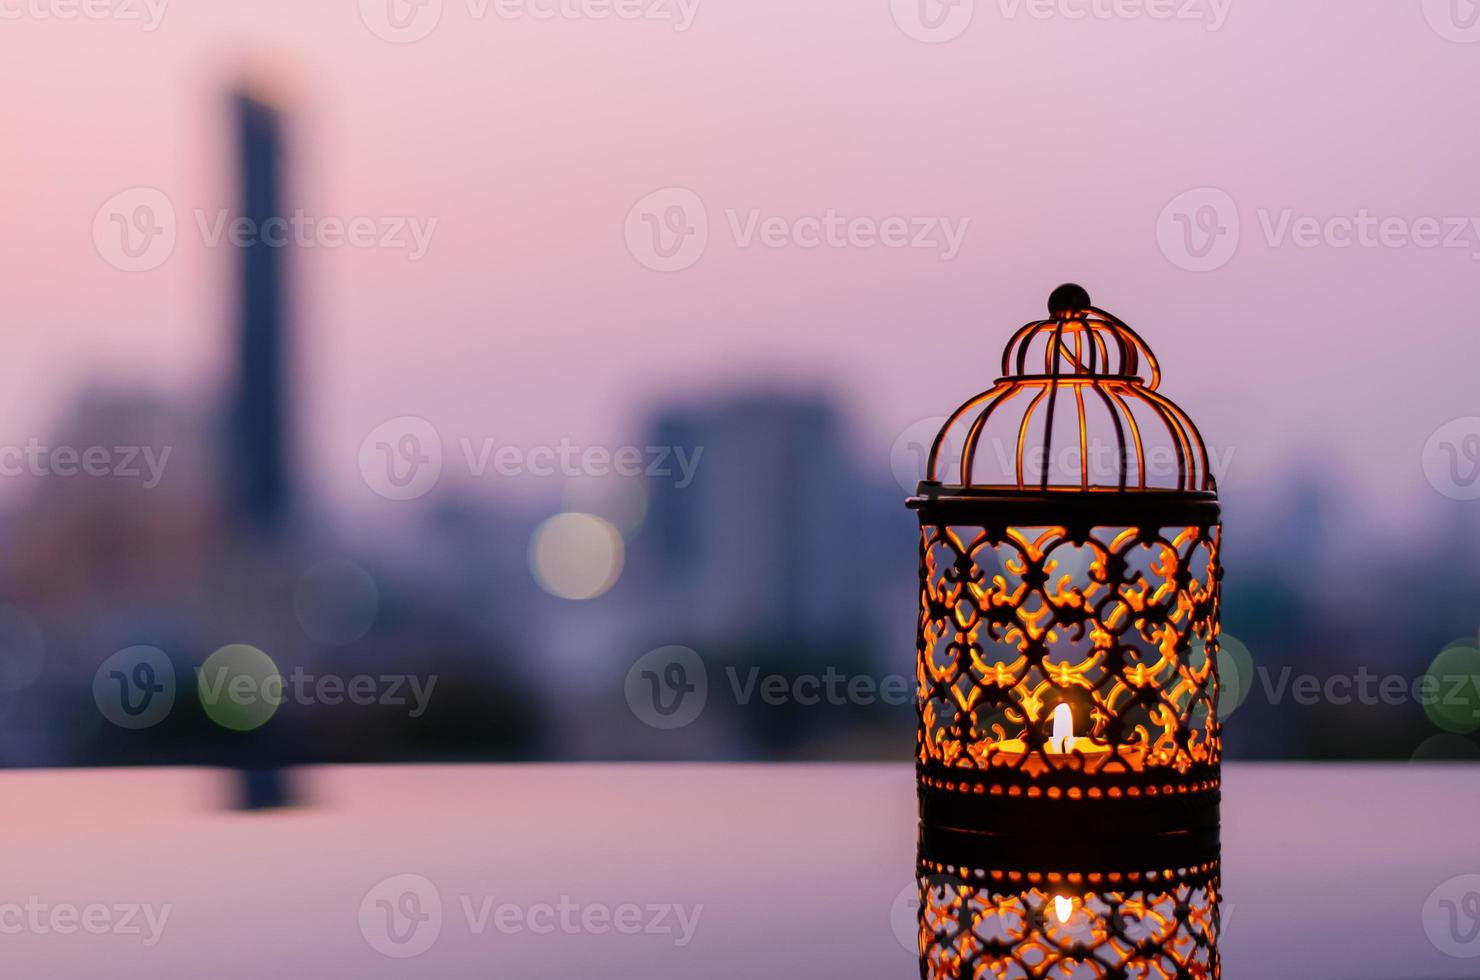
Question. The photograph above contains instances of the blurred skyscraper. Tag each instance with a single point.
(258, 450)
(258, 447)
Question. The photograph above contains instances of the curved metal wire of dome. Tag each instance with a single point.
(1096, 362)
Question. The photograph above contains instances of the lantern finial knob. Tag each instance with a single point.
(1068, 299)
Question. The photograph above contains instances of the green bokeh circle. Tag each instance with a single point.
(1455, 704)
(239, 687)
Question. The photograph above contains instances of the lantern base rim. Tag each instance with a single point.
(1008, 506)
(1008, 802)
(1094, 853)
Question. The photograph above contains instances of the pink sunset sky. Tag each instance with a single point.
(1059, 141)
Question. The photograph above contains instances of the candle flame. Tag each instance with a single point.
(1062, 739)
(1063, 907)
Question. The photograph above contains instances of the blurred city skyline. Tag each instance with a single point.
(375, 450)
(542, 326)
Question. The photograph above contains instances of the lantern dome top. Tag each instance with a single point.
(1076, 408)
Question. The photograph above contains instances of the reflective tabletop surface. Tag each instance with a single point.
(1340, 871)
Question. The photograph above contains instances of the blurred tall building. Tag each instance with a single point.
(257, 464)
(764, 546)
(258, 448)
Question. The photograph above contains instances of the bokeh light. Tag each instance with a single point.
(336, 602)
(1454, 704)
(1446, 747)
(621, 501)
(239, 687)
(1235, 673)
(576, 555)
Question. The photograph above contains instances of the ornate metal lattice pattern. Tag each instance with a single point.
(1044, 654)
(1164, 927)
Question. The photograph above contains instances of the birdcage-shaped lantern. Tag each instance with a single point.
(1069, 591)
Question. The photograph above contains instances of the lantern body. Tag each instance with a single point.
(1068, 628)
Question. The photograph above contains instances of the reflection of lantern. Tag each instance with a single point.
(990, 908)
(1069, 582)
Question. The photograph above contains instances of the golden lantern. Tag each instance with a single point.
(1069, 584)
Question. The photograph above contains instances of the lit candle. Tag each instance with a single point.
(1063, 729)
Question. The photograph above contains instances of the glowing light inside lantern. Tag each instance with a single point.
(1063, 907)
(1062, 738)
